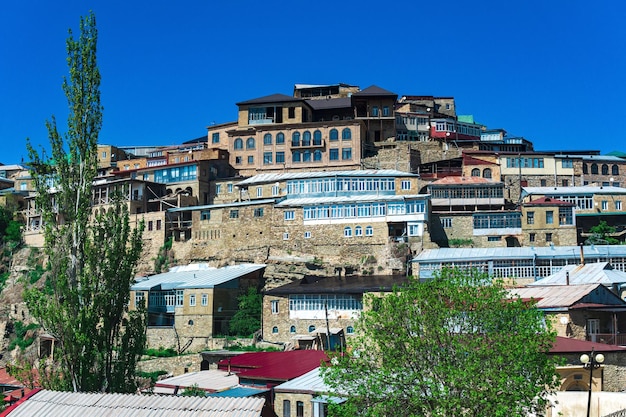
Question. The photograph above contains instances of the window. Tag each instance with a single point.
(296, 156)
(358, 231)
(476, 172)
(290, 215)
(594, 169)
(280, 138)
(548, 237)
(369, 231)
(230, 188)
(192, 300)
(406, 184)
(238, 160)
(614, 170)
(306, 138)
(275, 329)
(347, 231)
(334, 134)
(605, 169)
(299, 409)
(280, 157)
(564, 183)
(104, 154)
(179, 298)
(585, 169)
(205, 215)
(267, 158)
(317, 155)
(158, 224)
(295, 139)
(259, 192)
(306, 156)
(205, 299)
(286, 236)
(446, 222)
(150, 225)
(218, 188)
(333, 154)
(549, 217)
(531, 237)
(250, 160)
(234, 214)
(385, 111)
(346, 134)
(250, 143)
(605, 205)
(307, 235)
(349, 330)
(487, 173)
(593, 326)
(565, 216)
(215, 137)
(258, 212)
(274, 306)
(618, 205)
(543, 183)
(494, 238)
(567, 163)
(238, 144)
(375, 111)
(317, 138)
(530, 217)
(287, 403)
(139, 298)
(275, 190)
(311, 328)
(346, 153)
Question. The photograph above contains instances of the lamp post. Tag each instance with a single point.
(591, 362)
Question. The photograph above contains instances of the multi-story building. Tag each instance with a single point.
(548, 221)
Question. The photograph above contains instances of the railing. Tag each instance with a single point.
(608, 338)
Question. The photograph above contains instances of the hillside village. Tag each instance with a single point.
(318, 197)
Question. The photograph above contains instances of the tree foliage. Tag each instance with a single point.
(92, 256)
(601, 234)
(247, 319)
(451, 346)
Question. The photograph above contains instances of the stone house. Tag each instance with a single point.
(306, 396)
(302, 314)
(548, 221)
(188, 305)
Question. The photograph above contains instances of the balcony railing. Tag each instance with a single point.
(618, 339)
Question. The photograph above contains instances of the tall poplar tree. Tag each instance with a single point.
(92, 255)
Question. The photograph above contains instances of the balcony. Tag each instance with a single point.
(618, 339)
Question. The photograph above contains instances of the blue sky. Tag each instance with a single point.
(551, 71)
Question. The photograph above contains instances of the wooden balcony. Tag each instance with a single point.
(618, 339)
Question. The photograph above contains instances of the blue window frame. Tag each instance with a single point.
(267, 139)
(295, 139)
(346, 153)
(296, 156)
(280, 138)
(334, 134)
(267, 158)
(346, 134)
(280, 157)
(238, 144)
(317, 138)
(317, 155)
(333, 154)
(250, 143)
(306, 138)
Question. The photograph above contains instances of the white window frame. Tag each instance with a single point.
(275, 307)
(406, 184)
(205, 299)
(192, 300)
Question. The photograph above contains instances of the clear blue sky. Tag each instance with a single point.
(551, 71)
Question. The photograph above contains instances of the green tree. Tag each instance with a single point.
(247, 319)
(601, 234)
(92, 256)
(452, 346)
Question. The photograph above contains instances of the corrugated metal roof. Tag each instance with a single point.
(554, 295)
(331, 103)
(446, 255)
(267, 178)
(311, 382)
(224, 205)
(70, 404)
(272, 98)
(307, 201)
(210, 380)
(587, 189)
(274, 366)
(569, 345)
(196, 276)
(239, 391)
(592, 273)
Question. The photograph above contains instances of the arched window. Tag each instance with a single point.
(358, 231)
(250, 143)
(280, 138)
(306, 156)
(349, 330)
(311, 328)
(267, 139)
(347, 231)
(306, 138)
(275, 329)
(614, 170)
(292, 329)
(317, 138)
(238, 143)
(296, 156)
(585, 169)
(295, 139)
(476, 172)
(487, 173)
(317, 155)
(605, 169)
(346, 134)
(369, 231)
(334, 134)
(594, 169)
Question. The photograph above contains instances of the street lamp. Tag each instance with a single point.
(591, 362)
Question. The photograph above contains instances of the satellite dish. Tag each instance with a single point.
(564, 320)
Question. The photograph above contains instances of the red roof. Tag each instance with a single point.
(464, 180)
(548, 201)
(568, 345)
(277, 366)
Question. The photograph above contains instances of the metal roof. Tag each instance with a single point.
(555, 295)
(447, 255)
(357, 284)
(267, 178)
(239, 391)
(570, 345)
(330, 103)
(306, 201)
(374, 90)
(213, 380)
(274, 366)
(591, 273)
(70, 404)
(272, 98)
(311, 383)
(224, 205)
(586, 189)
(195, 276)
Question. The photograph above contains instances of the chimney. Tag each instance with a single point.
(582, 255)
(567, 278)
